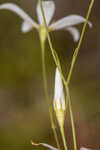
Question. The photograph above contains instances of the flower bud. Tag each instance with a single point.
(59, 99)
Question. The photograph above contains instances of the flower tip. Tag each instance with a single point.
(33, 143)
(2, 6)
(26, 27)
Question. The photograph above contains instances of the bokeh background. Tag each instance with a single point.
(23, 111)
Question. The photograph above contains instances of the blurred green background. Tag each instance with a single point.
(23, 111)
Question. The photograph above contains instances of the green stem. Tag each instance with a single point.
(79, 44)
(44, 72)
(46, 94)
(63, 137)
(72, 119)
(54, 128)
(71, 70)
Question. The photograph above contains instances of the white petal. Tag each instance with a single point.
(58, 92)
(48, 146)
(74, 32)
(16, 9)
(69, 21)
(44, 144)
(26, 27)
(49, 8)
(83, 148)
(63, 101)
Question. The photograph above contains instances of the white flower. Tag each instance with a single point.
(53, 148)
(59, 99)
(66, 23)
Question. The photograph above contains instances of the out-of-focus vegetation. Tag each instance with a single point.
(23, 111)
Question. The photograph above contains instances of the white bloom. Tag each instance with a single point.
(66, 23)
(59, 99)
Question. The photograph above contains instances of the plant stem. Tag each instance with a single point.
(71, 70)
(46, 94)
(44, 72)
(54, 128)
(72, 119)
(63, 137)
(79, 44)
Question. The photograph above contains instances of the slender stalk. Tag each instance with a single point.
(71, 70)
(72, 119)
(46, 94)
(54, 128)
(63, 137)
(79, 44)
(44, 72)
